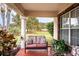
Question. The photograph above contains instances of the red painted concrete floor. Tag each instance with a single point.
(22, 52)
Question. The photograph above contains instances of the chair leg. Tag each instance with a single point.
(49, 51)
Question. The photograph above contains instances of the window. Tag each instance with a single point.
(65, 21)
(69, 28)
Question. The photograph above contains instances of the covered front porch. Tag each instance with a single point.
(55, 10)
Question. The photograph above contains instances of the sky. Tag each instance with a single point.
(45, 19)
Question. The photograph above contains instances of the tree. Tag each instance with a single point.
(50, 28)
(16, 25)
(32, 24)
(35, 24)
(29, 24)
(43, 25)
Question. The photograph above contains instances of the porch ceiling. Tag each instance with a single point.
(44, 6)
(42, 9)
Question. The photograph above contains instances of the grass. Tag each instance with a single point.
(42, 33)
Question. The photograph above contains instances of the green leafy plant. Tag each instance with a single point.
(50, 28)
(60, 47)
(7, 42)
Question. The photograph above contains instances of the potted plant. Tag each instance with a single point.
(7, 42)
(60, 47)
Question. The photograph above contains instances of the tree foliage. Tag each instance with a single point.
(32, 24)
(50, 28)
(15, 27)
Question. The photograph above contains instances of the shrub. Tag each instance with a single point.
(7, 42)
(60, 46)
(50, 28)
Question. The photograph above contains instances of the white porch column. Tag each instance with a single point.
(55, 28)
(23, 31)
(8, 18)
(3, 16)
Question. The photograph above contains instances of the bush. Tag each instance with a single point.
(7, 42)
(60, 47)
(50, 28)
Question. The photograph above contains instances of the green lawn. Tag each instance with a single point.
(41, 33)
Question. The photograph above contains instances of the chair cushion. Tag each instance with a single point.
(31, 45)
(41, 45)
